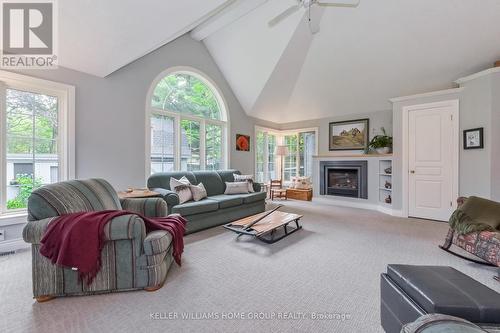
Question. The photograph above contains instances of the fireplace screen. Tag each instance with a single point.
(343, 179)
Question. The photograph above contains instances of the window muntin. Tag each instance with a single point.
(31, 144)
(162, 143)
(290, 168)
(213, 147)
(186, 94)
(301, 144)
(199, 130)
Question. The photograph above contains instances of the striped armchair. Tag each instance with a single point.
(131, 259)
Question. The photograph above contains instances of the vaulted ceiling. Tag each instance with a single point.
(359, 59)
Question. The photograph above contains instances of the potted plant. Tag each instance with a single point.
(381, 143)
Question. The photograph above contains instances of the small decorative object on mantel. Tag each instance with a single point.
(242, 142)
(388, 185)
(382, 143)
(388, 170)
(349, 135)
(473, 138)
(388, 199)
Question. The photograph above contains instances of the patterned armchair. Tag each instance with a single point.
(484, 245)
(131, 259)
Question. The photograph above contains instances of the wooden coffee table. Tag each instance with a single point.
(263, 226)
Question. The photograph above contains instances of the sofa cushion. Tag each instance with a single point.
(162, 179)
(227, 175)
(212, 181)
(253, 197)
(196, 207)
(226, 201)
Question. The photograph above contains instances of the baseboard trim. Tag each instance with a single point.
(13, 245)
(360, 205)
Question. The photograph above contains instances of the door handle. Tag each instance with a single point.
(412, 171)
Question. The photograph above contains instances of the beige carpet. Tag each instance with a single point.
(329, 269)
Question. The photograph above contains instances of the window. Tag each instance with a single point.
(188, 124)
(290, 167)
(36, 117)
(301, 145)
(265, 164)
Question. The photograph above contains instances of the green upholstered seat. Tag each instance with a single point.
(218, 208)
(196, 207)
(131, 257)
(226, 200)
(252, 197)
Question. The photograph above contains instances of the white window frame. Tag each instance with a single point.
(66, 127)
(280, 139)
(224, 122)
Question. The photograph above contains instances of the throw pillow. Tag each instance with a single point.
(302, 183)
(236, 188)
(182, 188)
(245, 178)
(199, 192)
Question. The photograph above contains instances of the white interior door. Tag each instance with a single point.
(432, 136)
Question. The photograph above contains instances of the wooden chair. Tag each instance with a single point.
(276, 189)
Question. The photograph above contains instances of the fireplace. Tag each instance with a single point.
(344, 178)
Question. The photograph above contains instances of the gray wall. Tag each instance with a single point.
(479, 168)
(110, 112)
(495, 138)
(378, 119)
(110, 115)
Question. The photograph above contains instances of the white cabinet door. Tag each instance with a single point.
(431, 163)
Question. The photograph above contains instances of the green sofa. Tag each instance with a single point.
(218, 208)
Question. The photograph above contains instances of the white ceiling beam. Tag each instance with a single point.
(234, 10)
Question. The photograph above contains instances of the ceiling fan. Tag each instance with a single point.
(307, 5)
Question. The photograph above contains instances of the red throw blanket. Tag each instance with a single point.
(76, 240)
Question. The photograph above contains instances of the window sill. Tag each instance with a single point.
(13, 218)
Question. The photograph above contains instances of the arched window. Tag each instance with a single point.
(188, 123)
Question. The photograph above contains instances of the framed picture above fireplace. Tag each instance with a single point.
(349, 135)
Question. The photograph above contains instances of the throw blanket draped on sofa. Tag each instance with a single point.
(476, 215)
(76, 240)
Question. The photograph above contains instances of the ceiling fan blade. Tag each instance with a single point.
(284, 15)
(333, 4)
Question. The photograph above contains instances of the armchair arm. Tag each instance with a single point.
(461, 201)
(122, 227)
(33, 231)
(149, 207)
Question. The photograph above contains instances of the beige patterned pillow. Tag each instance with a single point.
(245, 178)
(301, 183)
(199, 192)
(236, 188)
(182, 188)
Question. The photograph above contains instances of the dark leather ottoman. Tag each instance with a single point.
(408, 292)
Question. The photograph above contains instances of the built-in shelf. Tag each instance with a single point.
(383, 192)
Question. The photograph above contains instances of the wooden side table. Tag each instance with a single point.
(138, 193)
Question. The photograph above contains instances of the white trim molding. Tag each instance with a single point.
(66, 128)
(478, 75)
(13, 245)
(455, 109)
(177, 116)
(428, 94)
